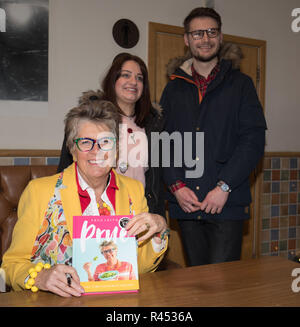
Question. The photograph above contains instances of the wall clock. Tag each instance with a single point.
(125, 33)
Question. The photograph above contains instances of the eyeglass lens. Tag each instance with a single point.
(199, 34)
(87, 144)
(108, 251)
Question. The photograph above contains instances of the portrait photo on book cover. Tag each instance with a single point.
(110, 259)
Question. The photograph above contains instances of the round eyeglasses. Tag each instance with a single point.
(108, 251)
(210, 32)
(86, 144)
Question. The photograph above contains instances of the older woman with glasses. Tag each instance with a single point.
(42, 237)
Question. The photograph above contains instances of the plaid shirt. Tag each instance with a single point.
(202, 83)
(178, 185)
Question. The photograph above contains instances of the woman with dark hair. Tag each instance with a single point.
(126, 85)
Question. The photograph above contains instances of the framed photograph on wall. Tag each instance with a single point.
(24, 50)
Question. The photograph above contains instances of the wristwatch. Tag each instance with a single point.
(224, 187)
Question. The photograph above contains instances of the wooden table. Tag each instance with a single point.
(258, 282)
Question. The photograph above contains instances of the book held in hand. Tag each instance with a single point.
(104, 256)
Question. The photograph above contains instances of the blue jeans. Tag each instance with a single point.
(211, 240)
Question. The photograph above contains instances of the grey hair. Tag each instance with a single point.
(95, 111)
(107, 243)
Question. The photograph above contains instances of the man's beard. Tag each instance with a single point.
(206, 59)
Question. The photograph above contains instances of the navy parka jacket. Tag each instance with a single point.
(232, 119)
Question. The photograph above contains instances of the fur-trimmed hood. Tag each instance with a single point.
(157, 107)
(229, 51)
(90, 95)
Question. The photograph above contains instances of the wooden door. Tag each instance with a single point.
(165, 43)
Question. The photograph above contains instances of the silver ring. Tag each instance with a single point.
(147, 226)
(69, 279)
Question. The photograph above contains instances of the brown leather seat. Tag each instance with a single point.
(13, 180)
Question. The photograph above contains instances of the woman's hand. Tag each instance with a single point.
(87, 268)
(146, 222)
(55, 281)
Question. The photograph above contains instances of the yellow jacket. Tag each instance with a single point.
(31, 211)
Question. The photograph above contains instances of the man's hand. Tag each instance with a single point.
(187, 199)
(214, 201)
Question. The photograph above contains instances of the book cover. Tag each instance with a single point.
(104, 256)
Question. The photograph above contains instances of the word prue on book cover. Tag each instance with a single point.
(104, 256)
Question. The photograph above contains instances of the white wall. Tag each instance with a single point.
(271, 20)
(81, 48)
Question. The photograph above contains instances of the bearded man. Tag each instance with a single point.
(209, 94)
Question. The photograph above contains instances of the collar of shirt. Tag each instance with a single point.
(203, 82)
(83, 187)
